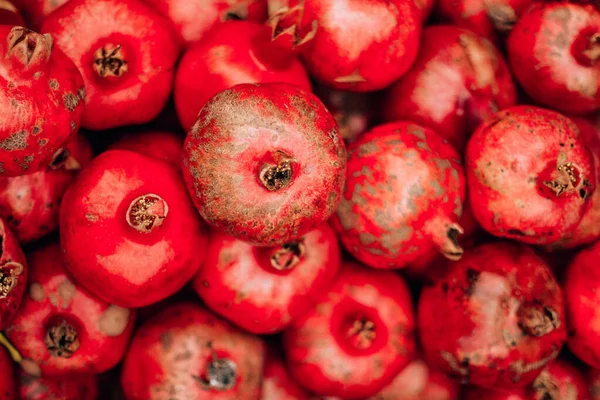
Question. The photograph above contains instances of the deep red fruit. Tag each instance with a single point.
(166, 146)
(553, 51)
(42, 101)
(30, 204)
(277, 383)
(194, 18)
(234, 52)
(126, 53)
(264, 289)
(529, 175)
(143, 238)
(403, 197)
(265, 163)
(458, 81)
(13, 275)
(7, 381)
(359, 45)
(357, 338)
(79, 387)
(35, 11)
(475, 393)
(583, 305)
(186, 352)
(560, 381)
(61, 329)
(495, 318)
(9, 15)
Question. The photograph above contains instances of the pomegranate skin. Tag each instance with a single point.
(277, 383)
(166, 146)
(458, 81)
(61, 329)
(234, 52)
(357, 338)
(7, 382)
(553, 51)
(475, 393)
(42, 102)
(560, 380)
(388, 222)
(170, 356)
(426, 7)
(265, 163)
(9, 14)
(529, 175)
(126, 53)
(278, 285)
(13, 275)
(495, 318)
(80, 387)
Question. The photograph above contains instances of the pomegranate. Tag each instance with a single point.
(194, 18)
(143, 238)
(186, 352)
(42, 101)
(9, 15)
(529, 174)
(61, 329)
(458, 81)
(404, 193)
(166, 146)
(235, 52)
(357, 338)
(80, 387)
(426, 7)
(264, 289)
(560, 381)
(126, 54)
(475, 393)
(7, 383)
(277, 383)
(13, 275)
(495, 318)
(265, 163)
(30, 203)
(553, 50)
(35, 11)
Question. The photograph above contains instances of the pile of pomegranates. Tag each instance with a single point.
(299, 199)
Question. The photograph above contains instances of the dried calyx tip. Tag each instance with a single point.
(278, 176)
(62, 340)
(109, 60)
(287, 256)
(221, 373)
(29, 47)
(537, 320)
(9, 277)
(147, 212)
(361, 333)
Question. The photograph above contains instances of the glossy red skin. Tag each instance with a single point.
(39, 115)
(546, 46)
(594, 381)
(506, 160)
(72, 387)
(166, 146)
(174, 346)
(11, 254)
(317, 353)
(472, 329)
(560, 380)
(361, 46)
(35, 11)
(7, 382)
(194, 19)
(9, 14)
(250, 123)
(232, 53)
(52, 294)
(388, 221)
(30, 204)
(238, 282)
(119, 263)
(458, 81)
(475, 393)
(137, 96)
(277, 383)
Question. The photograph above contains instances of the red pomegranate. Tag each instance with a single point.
(78, 387)
(7, 381)
(560, 380)
(166, 146)
(277, 383)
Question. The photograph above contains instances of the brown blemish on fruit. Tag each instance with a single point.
(31, 367)
(16, 141)
(66, 291)
(53, 83)
(113, 321)
(147, 212)
(91, 217)
(519, 367)
(166, 341)
(9, 277)
(36, 292)
(460, 368)
(71, 101)
(354, 77)
(81, 93)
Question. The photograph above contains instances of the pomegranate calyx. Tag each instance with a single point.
(502, 16)
(62, 340)
(221, 373)
(28, 47)
(361, 333)
(278, 174)
(287, 256)
(537, 320)
(147, 212)
(592, 51)
(109, 61)
(9, 277)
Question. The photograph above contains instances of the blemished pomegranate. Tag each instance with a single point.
(187, 352)
(560, 380)
(495, 318)
(42, 101)
(79, 387)
(264, 289)
(7, 380)
(232, 53)
(35, 11)
(359, 335)
(529, 174)
(61, 329)
(553, 51)
(126, 53)
(13, 275)
(164, 145)
(277, 383)
(143, 238)
(403, 196)
(265, 163)
(458, 81)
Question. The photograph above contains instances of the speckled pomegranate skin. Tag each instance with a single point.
(80, 387)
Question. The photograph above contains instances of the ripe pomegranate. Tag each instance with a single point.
(186, 352)
(42, 101)
(80, 387)
(9, 15)
(126, 54)
(30, 204)
(553, 50)
(13, 275)
(357, 338)
(279, 283)
(232, 53)
(359, 45)
(458, 81)
(265, 163)
(194, 18)
(475, 393)
(404, 192)
(143, 238)
(277, 383)
(495, 318)
(560, 381)
(7, 382)
(166, 146)
(529, 175)
(61, 329)
(35, 11)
